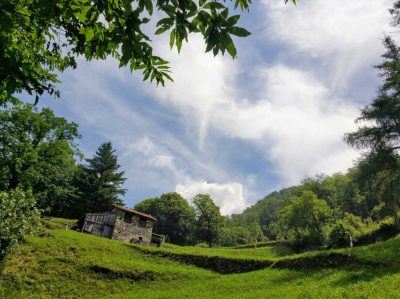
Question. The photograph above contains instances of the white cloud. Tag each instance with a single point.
(153, 156)
(344, 35)
(156, 163)
(299, 125)
(201, 81)
(229, 197)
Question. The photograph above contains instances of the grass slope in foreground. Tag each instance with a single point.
(72, 264)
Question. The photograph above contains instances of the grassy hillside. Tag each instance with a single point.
(63, 263)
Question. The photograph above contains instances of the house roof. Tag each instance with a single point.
(134, 212)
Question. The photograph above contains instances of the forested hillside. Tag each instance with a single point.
(340, 191)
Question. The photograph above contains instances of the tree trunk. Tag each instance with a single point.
(13, 181)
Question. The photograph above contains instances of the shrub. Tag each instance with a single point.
(18, 218)
(304, 218)
(383, 231)
(346, 231)
(239, 235)
(232, 236)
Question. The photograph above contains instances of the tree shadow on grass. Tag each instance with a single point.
(298, 276)
(365, 274)
(350, 275)
(112, 274)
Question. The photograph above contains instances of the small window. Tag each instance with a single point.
(142, 222)
(128, 218)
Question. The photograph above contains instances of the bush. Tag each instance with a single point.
(239, 235)
(18, 218)
(383, 231)
(303, 220)
(346, 231)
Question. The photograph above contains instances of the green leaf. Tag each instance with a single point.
(214, 5)
(146, 73)
(165, 74)
(172, 38)
(161, 30)
(89, 34)
(202, 2)
(233, 20)
(149, 6)
(232, 50)
(225, 13)
(238, 31)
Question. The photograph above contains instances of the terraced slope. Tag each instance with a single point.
(68, 264)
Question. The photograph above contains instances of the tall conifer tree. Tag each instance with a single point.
(99, 182)
(379, 137)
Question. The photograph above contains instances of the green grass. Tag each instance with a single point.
(68, 264)
(58, 223)
(261, 253)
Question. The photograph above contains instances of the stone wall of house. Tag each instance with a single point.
(127, 232)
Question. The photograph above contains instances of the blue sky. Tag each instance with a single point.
(237, 129)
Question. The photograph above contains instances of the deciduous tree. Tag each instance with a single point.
(304, 218)
(18, 217)
(175, 217)
(37, 152)
(208, 219)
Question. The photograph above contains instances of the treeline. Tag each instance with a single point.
(198, 222)
(334, 210)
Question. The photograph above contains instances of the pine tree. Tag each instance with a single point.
(379, 137)
(99, 182)
(382, 117)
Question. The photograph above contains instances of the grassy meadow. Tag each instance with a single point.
(61, 263)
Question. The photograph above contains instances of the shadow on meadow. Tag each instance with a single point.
(336, 277)
(229, 265)
(365, 274)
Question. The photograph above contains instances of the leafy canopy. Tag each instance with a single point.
(346, 231)
(208, 219)
(305, 217)
(175, 216)
(39, 38)
(37, 152)
(19, 217)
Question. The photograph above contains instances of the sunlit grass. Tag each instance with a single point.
(71, 264)
(260, 253)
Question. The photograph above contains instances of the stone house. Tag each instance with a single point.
(123, 224)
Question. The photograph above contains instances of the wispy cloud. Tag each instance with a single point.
(335, 38)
